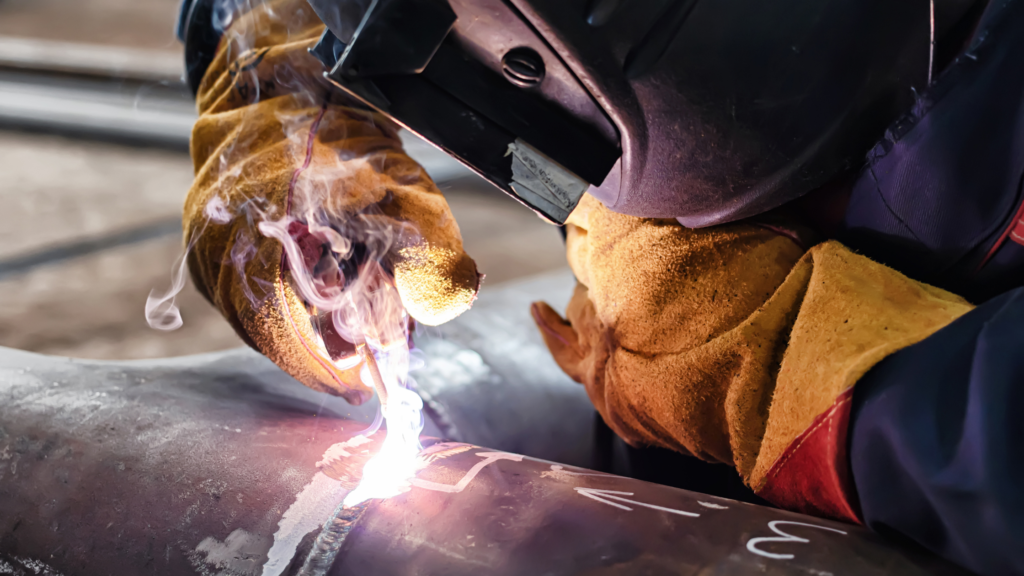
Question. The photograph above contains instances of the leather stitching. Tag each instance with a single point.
(779, 464)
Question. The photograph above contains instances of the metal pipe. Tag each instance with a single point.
(325, 550)
(220, 464)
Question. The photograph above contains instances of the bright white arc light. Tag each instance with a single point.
(388, 473)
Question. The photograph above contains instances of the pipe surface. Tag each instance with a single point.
(222, 464)
(218, 464)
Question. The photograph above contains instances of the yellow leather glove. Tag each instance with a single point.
(297, 195)
(731, 343)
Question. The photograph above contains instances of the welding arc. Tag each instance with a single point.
(378, 381)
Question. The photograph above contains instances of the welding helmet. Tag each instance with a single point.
(731, 107)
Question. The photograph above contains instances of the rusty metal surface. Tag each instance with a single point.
(209, 465)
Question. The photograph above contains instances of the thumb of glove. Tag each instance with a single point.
(435, 278)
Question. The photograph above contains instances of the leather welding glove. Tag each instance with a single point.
(733, 344)
(280, 155)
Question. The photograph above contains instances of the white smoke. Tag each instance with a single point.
(339, 249)
(162, 311)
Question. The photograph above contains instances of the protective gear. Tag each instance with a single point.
(278, 153)
(940, 197)
(730, 343)
(733, 344)
(935, 440)
(731, 108)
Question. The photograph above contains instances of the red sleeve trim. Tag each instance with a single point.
(1014, 231)
(813, 475)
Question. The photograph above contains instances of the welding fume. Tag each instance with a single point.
(795, 226)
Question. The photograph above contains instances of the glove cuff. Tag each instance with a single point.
(813, 474)
(854, 314)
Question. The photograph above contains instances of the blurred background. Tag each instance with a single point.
(94, 167)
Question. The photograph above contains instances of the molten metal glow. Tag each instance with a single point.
(388, 473)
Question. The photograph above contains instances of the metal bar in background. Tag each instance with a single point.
(55, 254)
(112, 113)
(147, 65)
(154, 119)
(122, 94)
(95, 91)
(222, 464)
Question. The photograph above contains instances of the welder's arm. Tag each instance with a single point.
(935, 440)
(734, 344)
(276, 148)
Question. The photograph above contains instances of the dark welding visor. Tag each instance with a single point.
(730, 107)
(475, 80)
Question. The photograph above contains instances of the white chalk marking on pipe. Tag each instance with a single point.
(558, 472)
(488, 457)
(338, 451)
(606, 497)
(783, 537)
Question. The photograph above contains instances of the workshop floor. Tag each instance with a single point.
(57, 192)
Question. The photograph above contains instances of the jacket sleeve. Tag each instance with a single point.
(937, 440)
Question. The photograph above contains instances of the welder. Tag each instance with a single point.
(796, 226)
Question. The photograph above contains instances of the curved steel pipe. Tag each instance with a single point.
(218, 465)
(221, 464)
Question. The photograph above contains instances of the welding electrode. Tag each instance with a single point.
(378, 381)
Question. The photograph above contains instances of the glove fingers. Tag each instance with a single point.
(256, 297)
(282, 331)
(275, 145)
(435, 277)
(561, 339)
(584, 363)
